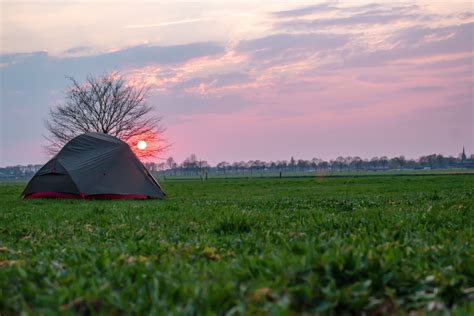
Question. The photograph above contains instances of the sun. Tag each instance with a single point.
(141, 145)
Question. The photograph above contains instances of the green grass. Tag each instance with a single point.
(308, 174)
(374, 245)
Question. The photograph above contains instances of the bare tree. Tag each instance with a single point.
(107, 104)
(170, 163)
(223, 165)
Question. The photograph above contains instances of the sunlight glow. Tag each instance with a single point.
(141, 145)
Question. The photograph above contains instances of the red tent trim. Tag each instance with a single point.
(82, 196)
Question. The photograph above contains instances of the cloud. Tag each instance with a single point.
(185, 21)
(418, 42)
(216, 80)
(290, 46)
(140, 55)
(79, 51)
(358, 19)
(9, 58)
(331, 7)
(30, 70)
(372, 14)
(422, 35)
(421, 89)
(464, 15)
(459, 62)
(305, 10)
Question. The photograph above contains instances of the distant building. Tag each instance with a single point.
(463, 155)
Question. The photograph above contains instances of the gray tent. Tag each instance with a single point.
(94, 165)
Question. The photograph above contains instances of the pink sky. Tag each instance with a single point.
(240, 81)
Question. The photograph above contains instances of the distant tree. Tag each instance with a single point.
(282, 165)
(301, 164)
(223, 166)
(191, 164)
(249, 166)
(315, 162)
(401, 161)
(339, 163)
(272, 165)
(356, 163)
(411, 164)
(384, 162)
(202, 165)
(323, 165)
(235, 166)
(242, 166)
(292, 163)
(151, 166)
(256, 165)
(106, 104)
(441, 161)
(161, 166)
(429, 160)
(170, 164)
(394, 163)
(374, 162)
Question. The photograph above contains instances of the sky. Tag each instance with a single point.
(248, 80)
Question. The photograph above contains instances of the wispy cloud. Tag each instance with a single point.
(305, 10)
(185, 21)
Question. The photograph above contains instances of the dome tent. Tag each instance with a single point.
(94, 166)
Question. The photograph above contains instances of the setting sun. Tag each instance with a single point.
(141, 145)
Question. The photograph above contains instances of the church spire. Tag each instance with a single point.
(463, 155)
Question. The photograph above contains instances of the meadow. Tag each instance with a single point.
(317, 245)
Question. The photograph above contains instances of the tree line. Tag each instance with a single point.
(194, 166)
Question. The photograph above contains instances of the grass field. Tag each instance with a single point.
(374, 245)
(308, 174)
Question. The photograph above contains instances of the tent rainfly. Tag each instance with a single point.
(94, 166)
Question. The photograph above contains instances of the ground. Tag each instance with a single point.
(353, 245)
